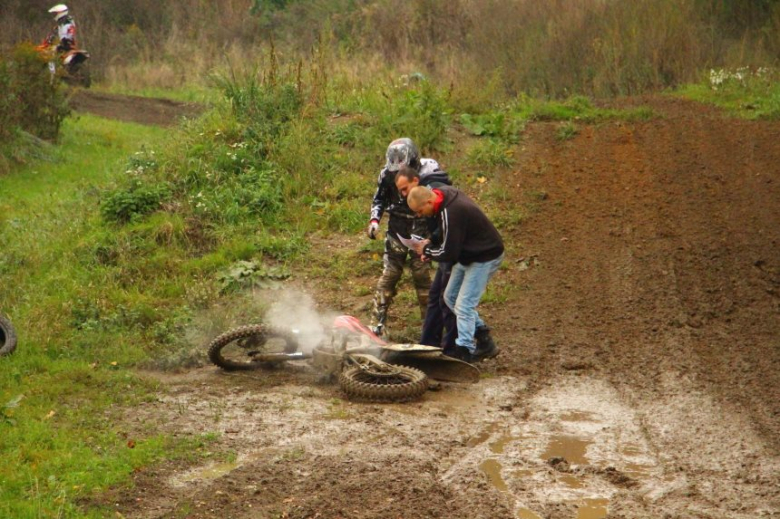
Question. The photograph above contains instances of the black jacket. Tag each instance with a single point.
(467, 235)
(402, 220)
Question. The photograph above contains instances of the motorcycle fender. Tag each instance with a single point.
(439, 366)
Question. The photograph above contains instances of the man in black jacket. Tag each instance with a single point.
(471, 242)
(439, 325)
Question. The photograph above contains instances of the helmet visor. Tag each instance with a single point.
(397, 156)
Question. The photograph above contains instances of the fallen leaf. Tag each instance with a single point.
(50, 414)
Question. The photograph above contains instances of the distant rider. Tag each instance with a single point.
(64, 33)
(401, 221)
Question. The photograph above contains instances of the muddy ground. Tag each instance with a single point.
(134, 109)
(639, 322)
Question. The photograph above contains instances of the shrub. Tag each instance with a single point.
(138, 199)
(30, 99)
(420, 111)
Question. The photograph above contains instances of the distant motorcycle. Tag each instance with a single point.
(7, 336)
(71, 66)
(367, 368)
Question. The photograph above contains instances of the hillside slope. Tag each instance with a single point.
(639, 373)
(660, 248)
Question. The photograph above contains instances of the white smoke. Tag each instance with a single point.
(297, 311)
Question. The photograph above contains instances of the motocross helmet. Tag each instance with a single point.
(402, 151)
(60, 11)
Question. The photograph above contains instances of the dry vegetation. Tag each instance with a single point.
(556, 47)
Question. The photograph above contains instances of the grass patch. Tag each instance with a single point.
(575, 108)
(82, 323)
(747, 93)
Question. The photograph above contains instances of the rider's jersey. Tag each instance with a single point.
(66, 34)
(387, 197)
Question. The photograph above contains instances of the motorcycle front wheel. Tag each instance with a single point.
(7, 336)
(252, 347)
(400, 384)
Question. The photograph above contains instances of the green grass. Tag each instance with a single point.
(62, 391)
(575, 108)
(750, 94)
(190, 94)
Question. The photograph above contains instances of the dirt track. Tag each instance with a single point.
(136, 109)
(639, 368)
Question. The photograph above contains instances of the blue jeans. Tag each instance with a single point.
(465, 289)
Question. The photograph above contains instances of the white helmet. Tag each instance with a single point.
(59, 11)
(402, 152)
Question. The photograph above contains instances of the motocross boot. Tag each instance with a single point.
(382, 300)
(422, 299)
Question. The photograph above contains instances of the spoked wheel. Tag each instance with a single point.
(7, 336)
(383, 383)
(253, 346)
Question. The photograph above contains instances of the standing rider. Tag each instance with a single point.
(402, 221)
(64, 33)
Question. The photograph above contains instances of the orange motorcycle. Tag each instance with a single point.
(70, 66)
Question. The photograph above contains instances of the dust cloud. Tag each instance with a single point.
(294, 310)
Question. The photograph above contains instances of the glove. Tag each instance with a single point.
(373, 229)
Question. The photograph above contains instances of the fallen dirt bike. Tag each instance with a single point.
(366, 367)
(7, 336)
(70, 66)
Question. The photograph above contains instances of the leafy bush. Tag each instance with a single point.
(420, 111)
(250, 274)
(30, 100)
(129, 204)
(32, 107)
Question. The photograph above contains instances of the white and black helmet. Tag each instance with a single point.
(59, 11)
(402, 152)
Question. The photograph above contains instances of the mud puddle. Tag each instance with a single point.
(577, 449)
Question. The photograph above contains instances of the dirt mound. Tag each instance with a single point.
(639, 373)
(136, 109)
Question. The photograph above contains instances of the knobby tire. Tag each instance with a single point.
(7, 336)
(407, 384)
(251, 338)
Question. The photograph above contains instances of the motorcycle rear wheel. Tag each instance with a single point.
(402, 385)
(251, 347)
(7, 336)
